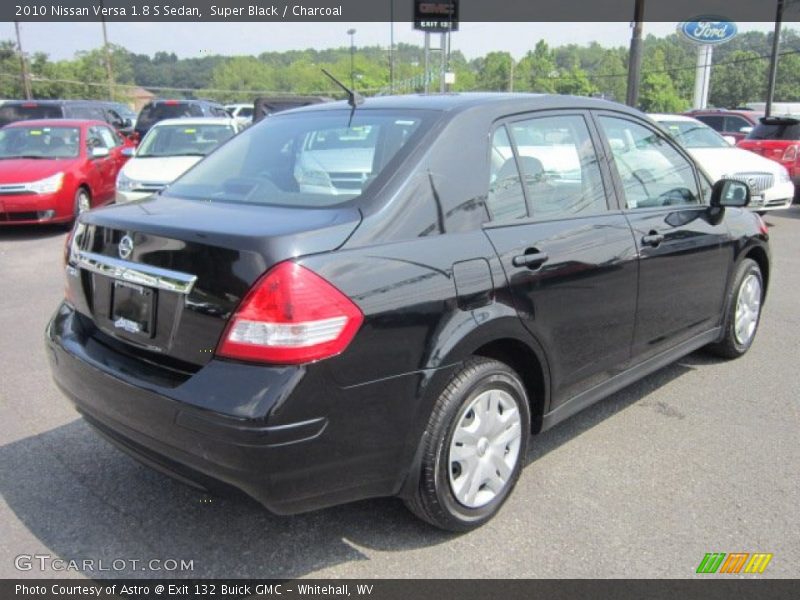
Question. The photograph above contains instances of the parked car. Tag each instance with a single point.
(406, 337)
(733, 124)
(243, 113)
(268, 105)
(12, 111)
(52, 170)
(770, 184)
(158, 110)
(170, 148)
(777, 138)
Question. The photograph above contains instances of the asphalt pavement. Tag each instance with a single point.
(702, 456)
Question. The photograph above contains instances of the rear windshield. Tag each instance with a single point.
(10, 113)
(308, 159)
(183, 140)
(776, 130)
(39, 142)
(153, 113)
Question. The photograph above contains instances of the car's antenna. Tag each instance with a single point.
(353, 97)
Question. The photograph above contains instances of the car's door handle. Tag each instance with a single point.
(652, 239)
(532, 259)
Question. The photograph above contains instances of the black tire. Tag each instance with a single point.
(730, 346)
(433, 499)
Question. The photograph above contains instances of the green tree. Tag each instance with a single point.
(739, 80)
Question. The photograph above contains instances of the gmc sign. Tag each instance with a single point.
(436, 16)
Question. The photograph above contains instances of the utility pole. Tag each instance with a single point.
(773, 62)
(352, 34)
(23, 66)
(109, 70)
(635, 56)
(391, 46)
(427, 59)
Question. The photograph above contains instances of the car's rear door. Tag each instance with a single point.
(569, 258)
(683, 267)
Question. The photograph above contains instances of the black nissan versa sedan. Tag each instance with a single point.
(387, 299)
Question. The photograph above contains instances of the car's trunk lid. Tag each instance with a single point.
(163, 277)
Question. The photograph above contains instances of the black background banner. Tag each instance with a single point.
(381, 10)
(721, 588)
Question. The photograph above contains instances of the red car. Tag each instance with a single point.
(51, 170)
(733, 123)
(777, 138)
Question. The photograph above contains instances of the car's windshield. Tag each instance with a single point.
(39, 142)
(184, 140)
(694, 135)
(11, 113)
(788, 129)
(306, 159)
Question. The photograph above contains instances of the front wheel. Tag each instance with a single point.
(473, 447)
(744, 311)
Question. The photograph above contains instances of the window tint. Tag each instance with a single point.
(693, 135)
(10, 112)
(716, 123)
(653, 173)
(171, 109)
(314, 160)
(559, 166)
(86, 112)
(776, 129)
(505, 199)
(247, 111)
(39, 142)
(735, 124)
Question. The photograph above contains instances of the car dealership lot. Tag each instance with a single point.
(700, 457)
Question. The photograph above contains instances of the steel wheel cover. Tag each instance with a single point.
(748, 308)
(484, 448)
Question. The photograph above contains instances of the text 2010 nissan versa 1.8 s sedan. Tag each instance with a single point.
(342, 303)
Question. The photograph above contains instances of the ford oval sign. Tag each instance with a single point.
(709, 30)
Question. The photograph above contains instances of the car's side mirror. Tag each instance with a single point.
(730, 139)
(100, 152)
(730, 192)
(746, 130)
(128, 151)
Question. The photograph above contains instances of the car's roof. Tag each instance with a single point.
(182, 101)
(52, 101)
(669, 117)
(723, 111)
(463, 101)
(185, 121)
(56, 123)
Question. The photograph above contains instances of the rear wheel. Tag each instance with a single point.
(744, 311)
(474, 447)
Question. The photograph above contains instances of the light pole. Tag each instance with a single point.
(773, 61)
(352, 33)
(23, 66)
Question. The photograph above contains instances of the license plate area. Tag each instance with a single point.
(133, 309)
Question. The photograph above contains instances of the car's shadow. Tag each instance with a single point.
(83, 499)
(31, 232)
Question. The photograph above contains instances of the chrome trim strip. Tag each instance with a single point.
(147, 275)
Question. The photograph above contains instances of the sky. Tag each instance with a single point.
(62, 40)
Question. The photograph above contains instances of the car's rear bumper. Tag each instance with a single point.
(298, 455)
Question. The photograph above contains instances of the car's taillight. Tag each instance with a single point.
(790, 154)
(290, 316)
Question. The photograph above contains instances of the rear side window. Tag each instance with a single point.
(94, 113)
(653, 173)
(735, 124)
(11, 113)
(776, 130)
(559, 165)
(717, 123)
(506, 199)
(310, 160)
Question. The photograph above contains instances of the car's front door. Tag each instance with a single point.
(569, 257)
(100, 137)
(683, 268)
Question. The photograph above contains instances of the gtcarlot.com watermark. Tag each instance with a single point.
(47, 562)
